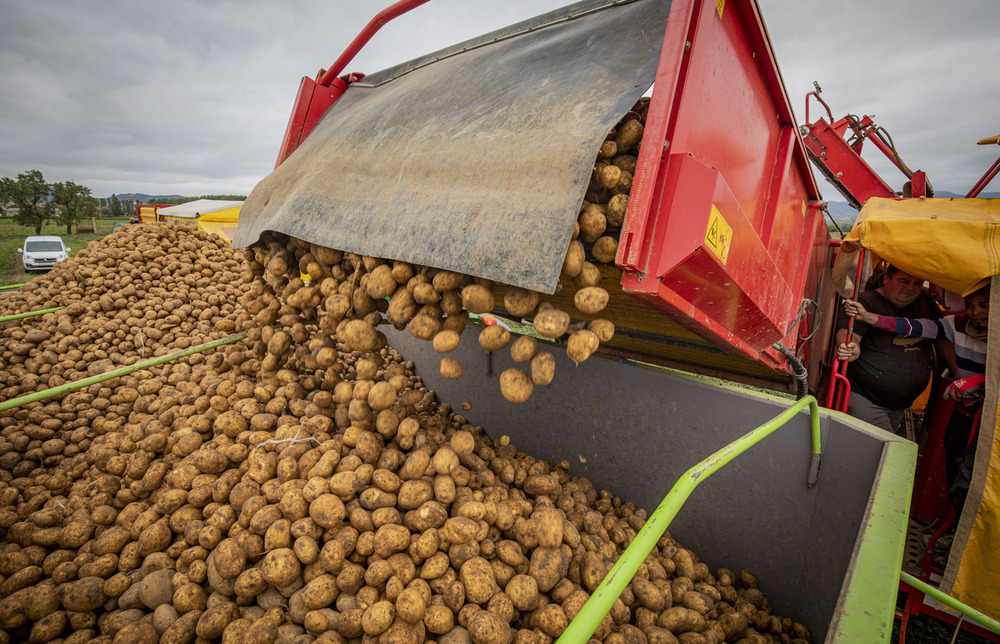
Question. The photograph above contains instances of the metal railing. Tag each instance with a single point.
(620, 575)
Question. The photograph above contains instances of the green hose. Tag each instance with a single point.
(114, 373)
(11, 287)
(18, 316)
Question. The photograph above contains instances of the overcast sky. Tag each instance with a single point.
(192, 97)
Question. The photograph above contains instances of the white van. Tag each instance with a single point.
(41, 252)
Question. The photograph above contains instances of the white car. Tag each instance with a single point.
(41, 252)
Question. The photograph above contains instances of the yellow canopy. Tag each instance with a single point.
(954, 243)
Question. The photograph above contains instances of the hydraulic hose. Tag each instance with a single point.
(798, 370)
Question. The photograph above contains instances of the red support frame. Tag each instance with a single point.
(316, 96)
(722, 218)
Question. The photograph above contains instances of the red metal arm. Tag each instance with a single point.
(366, 34)
(316, 96)
(990, 174)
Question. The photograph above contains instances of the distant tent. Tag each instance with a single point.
(210, 215)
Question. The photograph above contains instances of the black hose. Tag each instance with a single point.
(799, 371)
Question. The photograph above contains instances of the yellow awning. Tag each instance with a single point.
(954, 243)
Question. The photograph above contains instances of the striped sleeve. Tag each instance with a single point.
(919, 328)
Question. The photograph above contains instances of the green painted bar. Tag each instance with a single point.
(11, 287)
(620, 575)
(980, 618)
(114, 373)
(18, 316)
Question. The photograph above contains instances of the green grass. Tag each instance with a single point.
(12, 237)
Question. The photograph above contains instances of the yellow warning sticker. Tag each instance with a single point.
(720, 6)
(719, 235)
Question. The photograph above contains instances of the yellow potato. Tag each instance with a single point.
(516, 385)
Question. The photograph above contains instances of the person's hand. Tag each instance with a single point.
(967, 388)
(848, 351)
(855, 309)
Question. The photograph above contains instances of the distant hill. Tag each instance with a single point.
(144, 198)
(845, 214)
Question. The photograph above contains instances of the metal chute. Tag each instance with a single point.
(475, 158)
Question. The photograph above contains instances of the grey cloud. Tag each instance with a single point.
(192, 97)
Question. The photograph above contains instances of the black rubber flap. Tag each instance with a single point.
(473, 159)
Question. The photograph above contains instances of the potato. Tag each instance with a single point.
(626, 162)
(680, 619)
(609, 176)
(280, 567)
(424, 326)
(477, 299)
(448, 281)
(548, 566)
(581, 345)
(592, 220)
(551, 323)
(478, 580)
(608, 150)
(605, 249)
(603, 329)
(381, 283)
(616, 210)
(451, 368)
(84, 594)
(516, 385)
(327, 511)
(520, 302)
(358, 335)
(543, 367)
(550, 619)
(591, 300)
(523, 349)
(439, 620)
(576, 255)
(214, 620)
(138, 632)
(445, 341)
(230, 559)
(629, 135)
(589, 275)
(381, 396)
(410, 605)
(494, 338)
(378, 617)
(486, 628)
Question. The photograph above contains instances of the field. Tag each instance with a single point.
(12, 237)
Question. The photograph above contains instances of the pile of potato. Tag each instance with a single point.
(296, 283)
(301, 485)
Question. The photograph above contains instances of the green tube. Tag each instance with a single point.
(11, 287)
(980, 618)
(620, 575)
(18, 316)
(114, 373)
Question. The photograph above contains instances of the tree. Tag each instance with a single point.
(116, 207)
(74, 203)
(30, 195)
(6, 184)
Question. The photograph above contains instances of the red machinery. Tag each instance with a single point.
(724, 233)
(839, 158)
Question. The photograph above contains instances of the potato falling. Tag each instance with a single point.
(302, 485)
(345, 291)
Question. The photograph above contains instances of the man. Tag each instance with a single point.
(888, 372)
